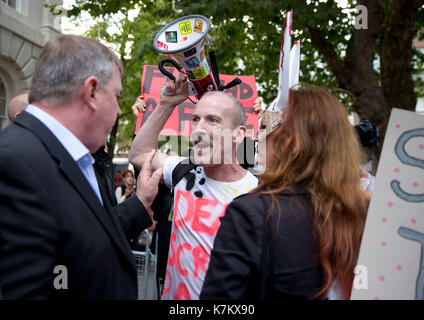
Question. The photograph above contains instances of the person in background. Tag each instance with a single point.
(17, 105)
(369, 137)
(162, 208)
(300, 230)
(103, 167)
(128, 187)
(138, 106)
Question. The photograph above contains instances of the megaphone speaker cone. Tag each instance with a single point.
(184, 38)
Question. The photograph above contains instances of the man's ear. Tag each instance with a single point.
(89, 92)
(238, 134)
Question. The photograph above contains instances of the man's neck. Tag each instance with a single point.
(69, 117)
(64, 114)
(225, 172)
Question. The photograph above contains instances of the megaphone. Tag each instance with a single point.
(184, 39)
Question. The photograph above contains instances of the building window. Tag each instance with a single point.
(3, 112)
(15, 4)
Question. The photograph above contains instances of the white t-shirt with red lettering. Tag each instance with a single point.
(199, 202)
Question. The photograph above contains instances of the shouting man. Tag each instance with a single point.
(203, 184)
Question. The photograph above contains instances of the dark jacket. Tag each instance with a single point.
(292, 263)
(50, 216)
(133, 218)
(103, 167)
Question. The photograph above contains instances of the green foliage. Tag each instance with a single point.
(247, 41)
(132, 40)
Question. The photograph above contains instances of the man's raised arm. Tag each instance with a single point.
(148, 135)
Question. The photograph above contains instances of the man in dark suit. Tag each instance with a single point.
(59, 237)
(103, 168)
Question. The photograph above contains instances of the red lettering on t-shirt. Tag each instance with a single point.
(197, 225)
(171, 259)
(179, 221)
(182, 291)
(200, 257)
(201, 227)
(217, 222)
(167, 290)
(184, 246)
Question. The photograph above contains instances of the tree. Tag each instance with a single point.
(132, 40)
(376, 66)
(349, 53)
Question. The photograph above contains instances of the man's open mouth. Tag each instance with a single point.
(202, 142)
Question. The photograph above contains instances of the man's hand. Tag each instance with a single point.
(147, 183)
(129, 190)
(172, 94)
(138, 106)
(258, 105)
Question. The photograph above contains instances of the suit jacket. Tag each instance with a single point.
(50, 216)
(131, 220)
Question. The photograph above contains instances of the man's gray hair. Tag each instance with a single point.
(239, 118)
(66, 62)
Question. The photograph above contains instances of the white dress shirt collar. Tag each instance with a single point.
(70, 142)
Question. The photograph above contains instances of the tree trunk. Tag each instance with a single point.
(368, 102)
(394, 28)
(356, 72)
(395, 54)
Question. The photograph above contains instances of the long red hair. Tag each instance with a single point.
(316, 145)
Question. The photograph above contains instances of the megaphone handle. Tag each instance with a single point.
(163, 70)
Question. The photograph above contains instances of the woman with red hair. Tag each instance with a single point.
(299, 232)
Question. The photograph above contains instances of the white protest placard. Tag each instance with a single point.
(391, 258)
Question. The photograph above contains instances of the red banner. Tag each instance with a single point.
(180, 121)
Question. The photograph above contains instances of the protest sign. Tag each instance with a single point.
(391, 259)
(179, 123)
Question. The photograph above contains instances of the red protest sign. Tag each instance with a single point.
(180, 121)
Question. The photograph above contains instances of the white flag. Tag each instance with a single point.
(288, 70)
(294, 65)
